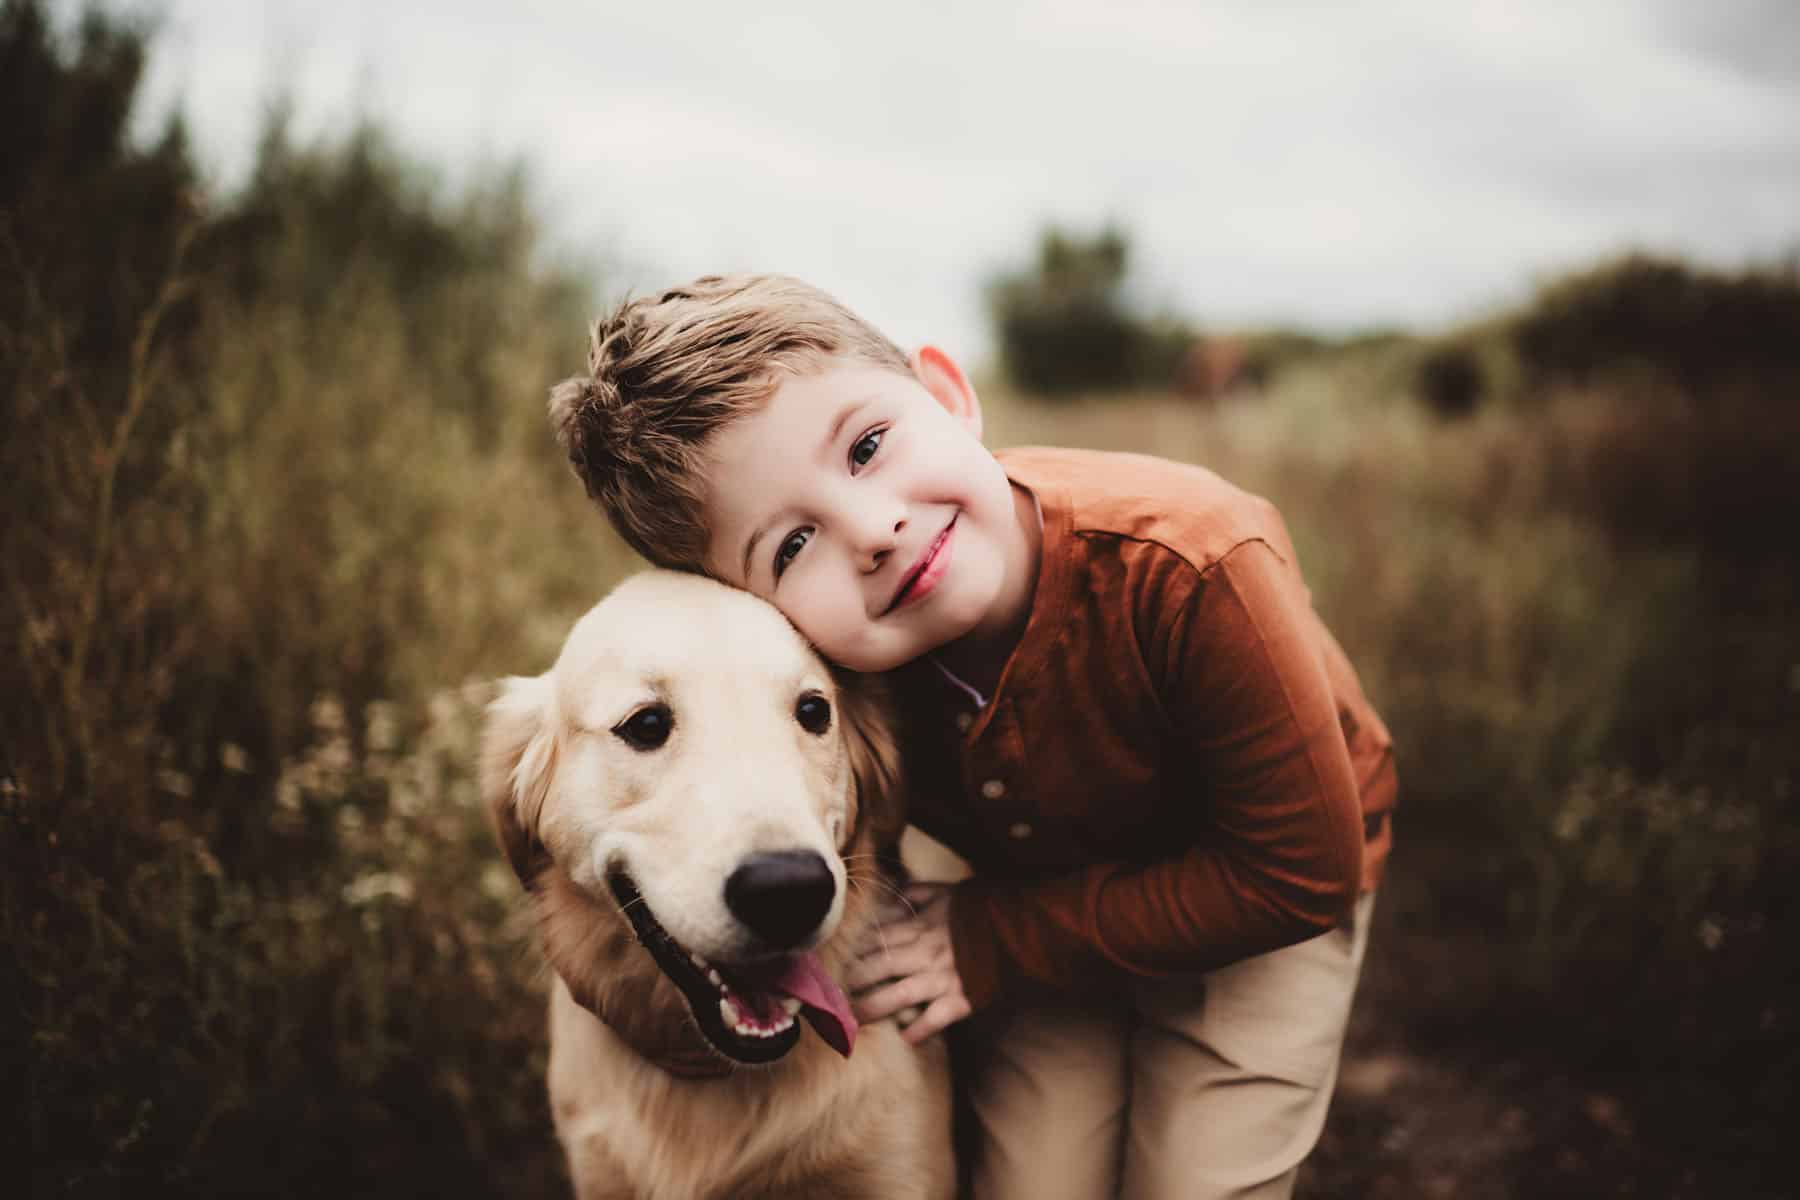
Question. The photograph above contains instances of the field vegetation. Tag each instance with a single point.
(280, 502)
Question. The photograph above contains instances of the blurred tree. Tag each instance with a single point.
(1065, 325)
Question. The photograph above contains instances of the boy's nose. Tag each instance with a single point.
(876, 540)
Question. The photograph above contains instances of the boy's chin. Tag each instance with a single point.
(867, 662)
(874, 657)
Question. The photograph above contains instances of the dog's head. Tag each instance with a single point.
(689, 794)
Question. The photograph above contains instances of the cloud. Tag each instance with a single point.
(1334, 164)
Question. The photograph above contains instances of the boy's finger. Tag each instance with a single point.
(866, 973)
(921, 894)
(897, 933)
(895, 908)
(889, 963)
(880, 1002)
(883, 941)
(872, 950)
(942, 1013)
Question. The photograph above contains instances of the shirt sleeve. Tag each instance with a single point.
(1269, 854)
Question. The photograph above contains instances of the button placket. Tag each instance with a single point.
(1004, 812)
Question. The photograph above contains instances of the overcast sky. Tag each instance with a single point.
(1340, 165)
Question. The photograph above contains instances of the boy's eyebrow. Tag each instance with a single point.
(755, 537)
(831, 436)
(844, 413)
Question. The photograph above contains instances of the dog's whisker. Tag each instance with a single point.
(895, 891)
(880, 935)
(899, 895)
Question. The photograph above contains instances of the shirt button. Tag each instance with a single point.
(963, 721)
(1020, 830)
(993, 789)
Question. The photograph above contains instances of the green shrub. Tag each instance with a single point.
(1665, 396)
(1065, 326)
(1698, 327)
(1450, 381)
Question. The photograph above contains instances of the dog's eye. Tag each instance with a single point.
(813, 712)
(647, 728)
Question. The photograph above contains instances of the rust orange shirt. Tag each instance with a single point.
(1177, 768)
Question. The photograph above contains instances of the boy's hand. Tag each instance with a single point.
(910, 963)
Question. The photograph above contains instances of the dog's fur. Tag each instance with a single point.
(645, 1103)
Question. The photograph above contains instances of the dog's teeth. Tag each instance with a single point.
(697, 960)
(792, 1004)
(713, 975)
(743, 1025)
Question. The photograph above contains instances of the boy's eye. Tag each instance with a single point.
(790, 546)
(865, 447)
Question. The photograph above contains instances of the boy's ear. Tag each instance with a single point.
(940, 375)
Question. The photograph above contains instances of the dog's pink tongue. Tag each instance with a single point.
(822, 1002)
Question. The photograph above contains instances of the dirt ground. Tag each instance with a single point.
(1471, 1117)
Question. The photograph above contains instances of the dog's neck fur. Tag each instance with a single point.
(598, 957)
(698, 1062)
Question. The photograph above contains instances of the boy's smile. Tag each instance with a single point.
(862, 504)
(925, 575)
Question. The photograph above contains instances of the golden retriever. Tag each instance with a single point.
(700, 809)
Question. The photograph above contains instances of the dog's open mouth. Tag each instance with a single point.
(746, 1010)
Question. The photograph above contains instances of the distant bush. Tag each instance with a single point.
(1676, 393)
(1695, 326)
(1666, 398)
(1450, 380)
(1065, 325)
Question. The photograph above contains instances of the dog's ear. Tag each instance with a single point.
(868, 718)
(518, 757)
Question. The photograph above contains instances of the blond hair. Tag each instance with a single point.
(666, 373)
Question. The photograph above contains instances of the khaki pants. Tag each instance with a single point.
(1200, 1086)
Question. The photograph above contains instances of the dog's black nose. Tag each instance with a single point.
(782, 896)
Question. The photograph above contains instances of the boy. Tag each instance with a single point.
(1117, 703)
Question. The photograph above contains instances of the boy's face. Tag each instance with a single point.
(862, 504)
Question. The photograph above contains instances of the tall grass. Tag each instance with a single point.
(278, 487)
